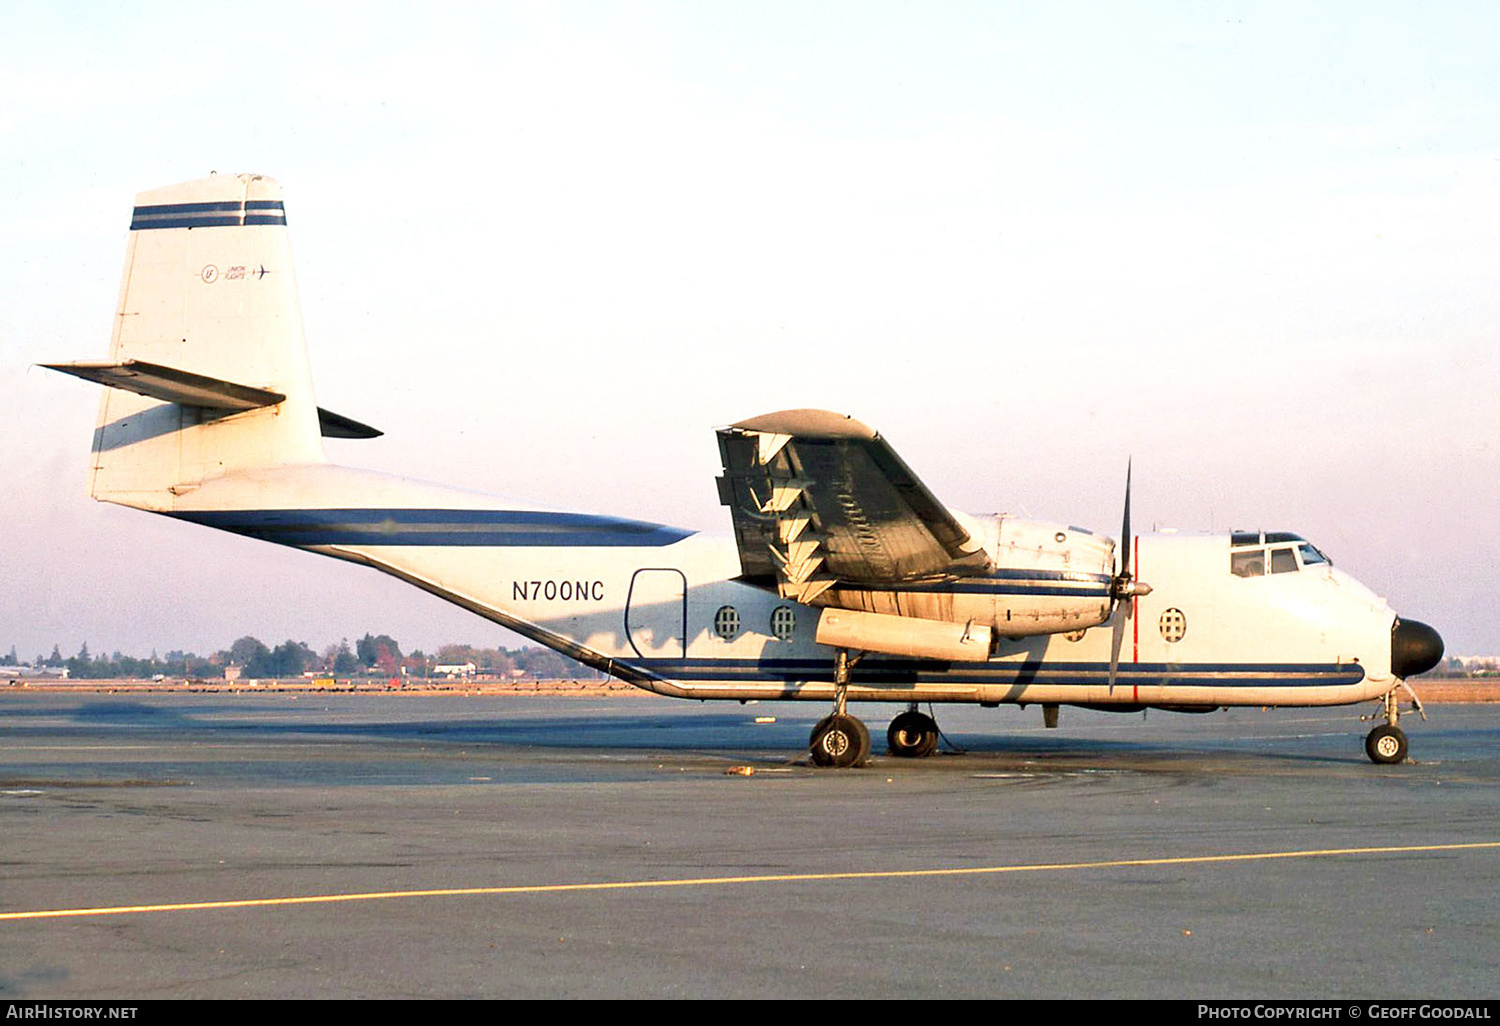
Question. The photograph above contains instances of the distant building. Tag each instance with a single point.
(1477, 665)
(33, 672)
(455, 671)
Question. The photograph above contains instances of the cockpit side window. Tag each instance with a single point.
(1249, 551)
(1248, 563)
(1311, 555)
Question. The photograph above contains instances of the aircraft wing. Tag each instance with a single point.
(819, 499)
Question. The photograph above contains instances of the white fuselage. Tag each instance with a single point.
(664, 610)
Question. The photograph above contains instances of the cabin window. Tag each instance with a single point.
(1250, 563)
(1173, 625)
(727, 622)
(1283, 561)
(783, 622)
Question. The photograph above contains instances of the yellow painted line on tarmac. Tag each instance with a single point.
(710, 881)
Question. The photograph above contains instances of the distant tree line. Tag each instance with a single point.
(372, 655)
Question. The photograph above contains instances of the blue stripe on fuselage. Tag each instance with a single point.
(446, 527)
(887, 672)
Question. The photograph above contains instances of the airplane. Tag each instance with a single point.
(846, 580)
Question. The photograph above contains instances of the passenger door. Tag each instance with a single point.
(656, 613)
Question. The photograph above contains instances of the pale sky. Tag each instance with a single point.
(549, 247)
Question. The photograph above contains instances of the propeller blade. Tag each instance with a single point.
(1121, 588)
(1116, 639)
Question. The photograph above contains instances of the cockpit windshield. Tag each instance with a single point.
(1283, 561)
(1255, 553)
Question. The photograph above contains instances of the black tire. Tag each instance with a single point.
(912, 735)
(840, 741)
(1386, 745)
(812, 739)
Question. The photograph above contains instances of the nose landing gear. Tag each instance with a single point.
(1386, 744)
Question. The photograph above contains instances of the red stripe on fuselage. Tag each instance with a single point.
(1135, 620)
(1135, 607)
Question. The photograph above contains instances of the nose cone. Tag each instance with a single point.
(1415, 648)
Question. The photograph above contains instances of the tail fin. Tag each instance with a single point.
(208, 368)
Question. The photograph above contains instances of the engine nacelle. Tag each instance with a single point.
(1046, 579)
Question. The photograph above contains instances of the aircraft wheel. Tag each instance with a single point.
(912, 735)
(840, 741)
(1386, 745)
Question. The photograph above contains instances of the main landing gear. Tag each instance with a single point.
(841, 740)
(1386, 744)
(912, 735)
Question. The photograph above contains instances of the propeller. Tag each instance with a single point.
(1123, 588)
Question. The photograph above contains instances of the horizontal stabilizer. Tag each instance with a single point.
(188, 389)
(336, 425)
(171, 385)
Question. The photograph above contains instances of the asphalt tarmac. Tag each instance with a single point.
(390, 846)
